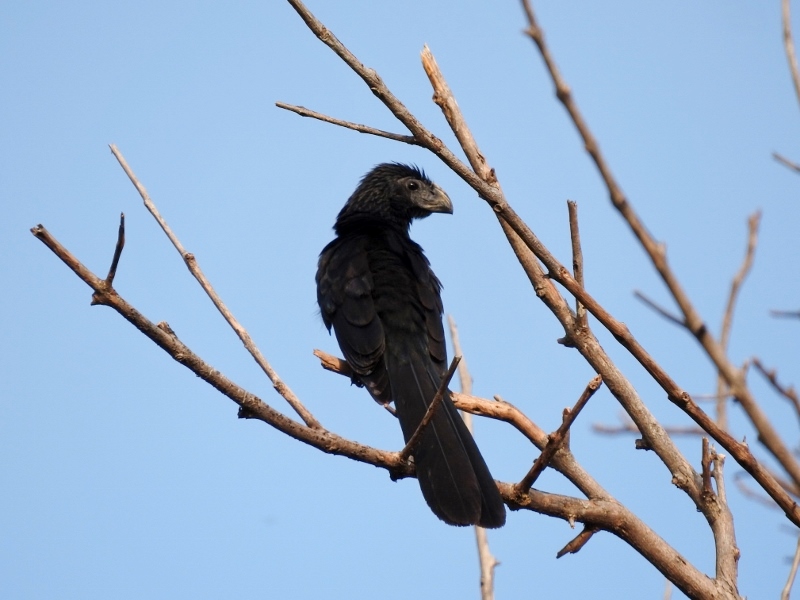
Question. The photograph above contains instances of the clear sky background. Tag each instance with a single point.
(125, 476)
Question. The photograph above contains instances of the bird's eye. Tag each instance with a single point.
(412, 185)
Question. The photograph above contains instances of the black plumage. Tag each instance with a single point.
(375, 288)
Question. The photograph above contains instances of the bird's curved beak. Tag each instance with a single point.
(436, 201)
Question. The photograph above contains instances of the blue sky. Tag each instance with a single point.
(125, 476)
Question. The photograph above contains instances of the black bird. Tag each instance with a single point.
(376, 289)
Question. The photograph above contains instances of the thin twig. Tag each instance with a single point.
(112, 271)
(305, 112)
(334, 363)
(727, 319)
(771, 376)
(629, 426)
(709, 397)
(740, 479)
(486, 559)
(786, 484)
(432, 407)
(487, 562)
(444, 98)
(705, 462)
(725, 547)
(194, 269)
(786, 162)
(464, 378)
(577, 259)
(578, 542)
(659, 309)
(788, 45)
(736, 285)
(785, 314)
(667, 590)
(559, 436)
(787, 589)
(719, 462)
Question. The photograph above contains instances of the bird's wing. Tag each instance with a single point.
(428, 292)
(344, 294)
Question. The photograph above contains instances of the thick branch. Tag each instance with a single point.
(609, 516)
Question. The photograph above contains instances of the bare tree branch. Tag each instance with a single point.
(577, 259)
(705, 461)
(772, 377)
(727, 319)
(250, 405)
(786, 162)
(659, 309)
(631, 428)
(740, 479)
(486, 559)
(504, 411)
(601, 514)
(112, 271)
(488, 189)
(788, 45)
(727, 550)
(787, 589)
(667, 590)
(578, 542)
(733, 376)
(559, 437)
(304, 112)
(599, 510)
(523, 241)
(786, 314)
(647, 542)
(194, 269)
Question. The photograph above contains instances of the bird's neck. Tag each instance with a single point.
(356, 224)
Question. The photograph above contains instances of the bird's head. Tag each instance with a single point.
(394, 194)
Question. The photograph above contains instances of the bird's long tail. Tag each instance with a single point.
(454, 478)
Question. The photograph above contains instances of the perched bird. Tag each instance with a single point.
(376, 289)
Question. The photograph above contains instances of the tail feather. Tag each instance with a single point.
(454, 478)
